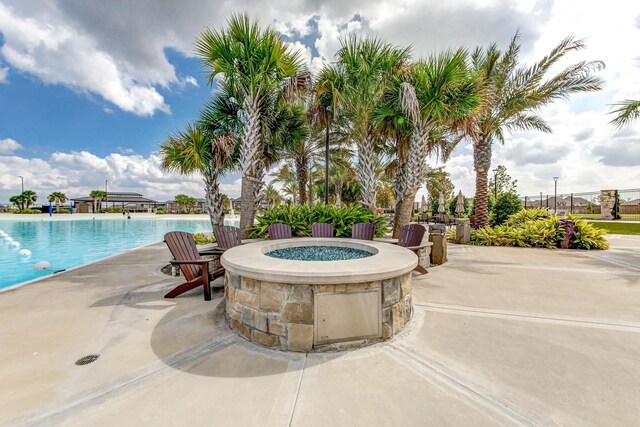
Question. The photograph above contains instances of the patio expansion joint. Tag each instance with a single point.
(299, 386)
(114, 389)
(431, 370)
(530, 317)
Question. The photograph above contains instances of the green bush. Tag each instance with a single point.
(28, 211)
(62, 211)
(526, 215)
(111, 210)
(204, 238)
(161, 211)
(506, 205)
(301, 218)
(587, 236)
(537, 228)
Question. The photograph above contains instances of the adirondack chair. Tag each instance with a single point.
(227, 237)
(194, 268)
(363, 231)
(279, 231)
(411, 238)
(322, 229)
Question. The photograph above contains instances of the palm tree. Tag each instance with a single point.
(58, 198)
(18, 200)
(511, 97)
(256, 66)
(432, 95)
(627, 112)
(98, 197)
(271, 195)
(196, 150)
(358, 82)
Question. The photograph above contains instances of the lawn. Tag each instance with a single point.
(618, 227)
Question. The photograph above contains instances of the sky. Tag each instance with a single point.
(88, 88)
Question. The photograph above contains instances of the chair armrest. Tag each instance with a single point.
(214, 251)
(190, 261)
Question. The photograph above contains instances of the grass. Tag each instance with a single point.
(618, 227)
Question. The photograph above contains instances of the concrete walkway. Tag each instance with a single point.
(500, 336)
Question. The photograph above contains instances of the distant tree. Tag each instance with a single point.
(58, 198)
(29, 198)
(438, 182)
(505, 184)
(185, 202)
(384, 195)
(17, 200)
(271, 195)
(98, 197)
(627, 112)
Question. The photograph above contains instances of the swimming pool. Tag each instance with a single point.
(67, 244)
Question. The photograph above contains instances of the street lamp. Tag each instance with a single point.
(326, 158)
(22, 182)
(541, 199)
(555, 194)
(106, 191)
(495, 183)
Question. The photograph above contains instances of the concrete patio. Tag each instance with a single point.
(500, 336)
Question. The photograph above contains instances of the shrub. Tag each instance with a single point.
(161, 211)
(537, 228)
(587, 236)
(28, 211)
(301, 218)
(506, 205)
(527, 215)
(62, 211)
(204, 238)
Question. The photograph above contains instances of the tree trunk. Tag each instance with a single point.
(404, 211)
(411, 173)
(482, 164)
(302, 173)
(338, 190)
(215, 205)
(251, 164)
(367, 173)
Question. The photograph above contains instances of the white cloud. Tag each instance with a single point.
(4, 73)
(9, 146)
(77, 173)
(117, 50)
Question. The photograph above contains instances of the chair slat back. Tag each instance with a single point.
(183, 247)
(322, 229)
(279, 231)
(363, 231)
(227, 236)
(411, 235)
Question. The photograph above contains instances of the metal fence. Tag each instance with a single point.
(587, 204)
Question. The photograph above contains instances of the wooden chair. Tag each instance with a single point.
(322, 229)
(227, 237)
(194, 268)
(363, 231)
(279, 231)
(411, 238)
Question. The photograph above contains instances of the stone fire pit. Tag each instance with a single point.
(305, 305)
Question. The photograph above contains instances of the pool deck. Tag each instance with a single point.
(500, 336)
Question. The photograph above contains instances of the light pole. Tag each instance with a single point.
(22, 182)
(106, 191)
(555, 194)
(495, 183)
(326, 157)
(541, 200)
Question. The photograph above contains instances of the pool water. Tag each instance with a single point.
(318, 253)
(67, 244)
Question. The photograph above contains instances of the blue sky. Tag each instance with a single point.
(88, 89)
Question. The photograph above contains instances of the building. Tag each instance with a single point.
(132, 202)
